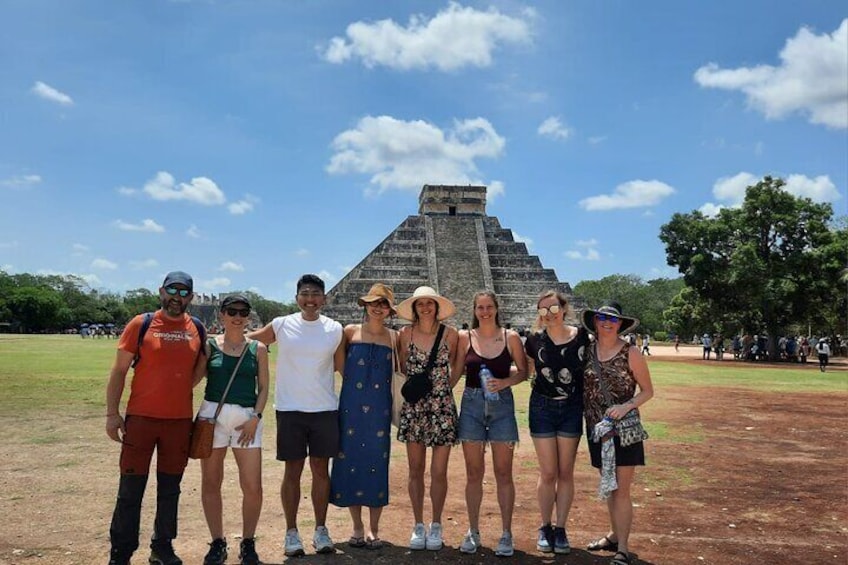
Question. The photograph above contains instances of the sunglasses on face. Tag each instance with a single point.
(183, 292)
(608, 318)
(554, 309)
(379, 304)
(244, 313)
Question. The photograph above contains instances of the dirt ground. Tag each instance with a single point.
(734, 477)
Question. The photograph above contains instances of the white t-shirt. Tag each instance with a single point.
(305, 373)
(823, 348)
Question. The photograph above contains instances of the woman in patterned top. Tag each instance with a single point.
(431, 421)
(613, 393)
(557, 354)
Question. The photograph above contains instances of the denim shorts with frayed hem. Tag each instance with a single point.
(550, 418)
(484, 421)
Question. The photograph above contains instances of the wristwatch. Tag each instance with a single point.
(258, 415)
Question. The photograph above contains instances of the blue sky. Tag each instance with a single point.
(248, 142)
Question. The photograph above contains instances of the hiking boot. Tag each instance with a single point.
(162, 553)
(471, 542)
(544, 542)
(418, 538)
(247, 552)
(434, 540)
(119, 557)
(217, 552)
(505, 547)
(561, 544)
(293, 545)
(321, 540)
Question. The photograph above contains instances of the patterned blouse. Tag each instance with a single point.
(618, 379)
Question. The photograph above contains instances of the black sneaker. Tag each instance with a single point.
(118, 557)
(162, 553)
(247, 552)
(217, 552)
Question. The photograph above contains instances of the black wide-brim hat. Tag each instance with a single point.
(611, 308)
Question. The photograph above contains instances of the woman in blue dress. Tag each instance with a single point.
(360, 475)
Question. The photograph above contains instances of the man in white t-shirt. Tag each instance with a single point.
(823, 349)
(308, 354)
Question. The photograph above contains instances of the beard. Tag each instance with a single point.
(173, 307)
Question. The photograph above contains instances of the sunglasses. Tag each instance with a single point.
(612, 318)
(244, 313)
(379, 304)
(554, 309)
(183, 292)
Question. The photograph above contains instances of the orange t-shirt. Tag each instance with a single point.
(161, 384)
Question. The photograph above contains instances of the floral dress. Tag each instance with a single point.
(433, 419)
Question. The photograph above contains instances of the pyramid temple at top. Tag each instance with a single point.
(454, 247)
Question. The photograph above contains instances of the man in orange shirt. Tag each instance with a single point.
(158, 417)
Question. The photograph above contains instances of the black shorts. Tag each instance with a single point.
(629, 456)
(299, 434)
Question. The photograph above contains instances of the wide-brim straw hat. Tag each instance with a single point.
(446, 307)
(379, 291)
(611, 308)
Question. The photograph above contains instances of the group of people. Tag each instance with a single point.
(579, 373)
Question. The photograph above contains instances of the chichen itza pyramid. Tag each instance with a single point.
(454, 247)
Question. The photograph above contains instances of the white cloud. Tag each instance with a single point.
(144, 264)
(302, 252)
(812, 79)
(103, 264)
(147, 225)
(243, 206)
(200, 190)
(230, 266)
(23, 181)
(522, 239)
(731, 190)
(632, 194)
(454, 38)
(819, 189)
(7, 268)
(327, 277)
(47, 92)
(90, 279)
(79, 248)
(216, 283)
(193, 232)
(403, 155)
(587, 242)
(597, 139)
(126, 191)
(554, 129)
(710, 210)
(591, 254)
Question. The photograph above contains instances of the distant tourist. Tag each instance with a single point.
(707, 344)
(432, 420)
(231, 356)
(823, 349)
(158, 418)
(360, 474)
(307, 406)
(613, 372)
(646, 344)
(677, 344)
(485, 420)
(556, 352)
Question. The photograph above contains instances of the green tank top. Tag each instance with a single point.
(219, 369)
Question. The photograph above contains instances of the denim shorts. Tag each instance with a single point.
(487, 421)
(554, 418)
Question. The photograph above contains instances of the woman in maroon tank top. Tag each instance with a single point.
(483, 421)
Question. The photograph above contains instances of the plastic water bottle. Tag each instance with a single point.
(485, 377)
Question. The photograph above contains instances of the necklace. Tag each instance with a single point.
(233, 347)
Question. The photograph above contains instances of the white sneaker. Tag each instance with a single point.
(434, 538)
(505, 548)
(471, 542)
(321, 540)
(293, 545)
(418, 538)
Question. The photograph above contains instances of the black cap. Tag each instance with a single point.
(234, 299)
(179, 277)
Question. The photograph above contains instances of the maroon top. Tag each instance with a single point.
(499, 366)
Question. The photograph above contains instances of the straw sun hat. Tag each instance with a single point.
(379, 291)
(446, 307)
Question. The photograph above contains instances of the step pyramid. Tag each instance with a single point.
(454, 247)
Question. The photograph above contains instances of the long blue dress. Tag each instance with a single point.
(360, 475)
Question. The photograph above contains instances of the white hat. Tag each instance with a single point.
(446, 307)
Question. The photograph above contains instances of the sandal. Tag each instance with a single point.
(357, 541)
(603, 544)
(620, 558)
(374, 543)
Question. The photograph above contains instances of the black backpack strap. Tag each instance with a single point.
(145, 325)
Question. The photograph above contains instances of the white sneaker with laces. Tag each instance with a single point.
(293, 545)
(471, 542)
(321, 540)
(418, 538)
(505, 547)
(434, 538)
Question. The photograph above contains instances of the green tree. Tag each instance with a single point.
(36, 308)
(644, 300)
(761, 265)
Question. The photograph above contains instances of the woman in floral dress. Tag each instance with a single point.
(432, 421)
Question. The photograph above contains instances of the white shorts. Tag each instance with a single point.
(231, 416)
